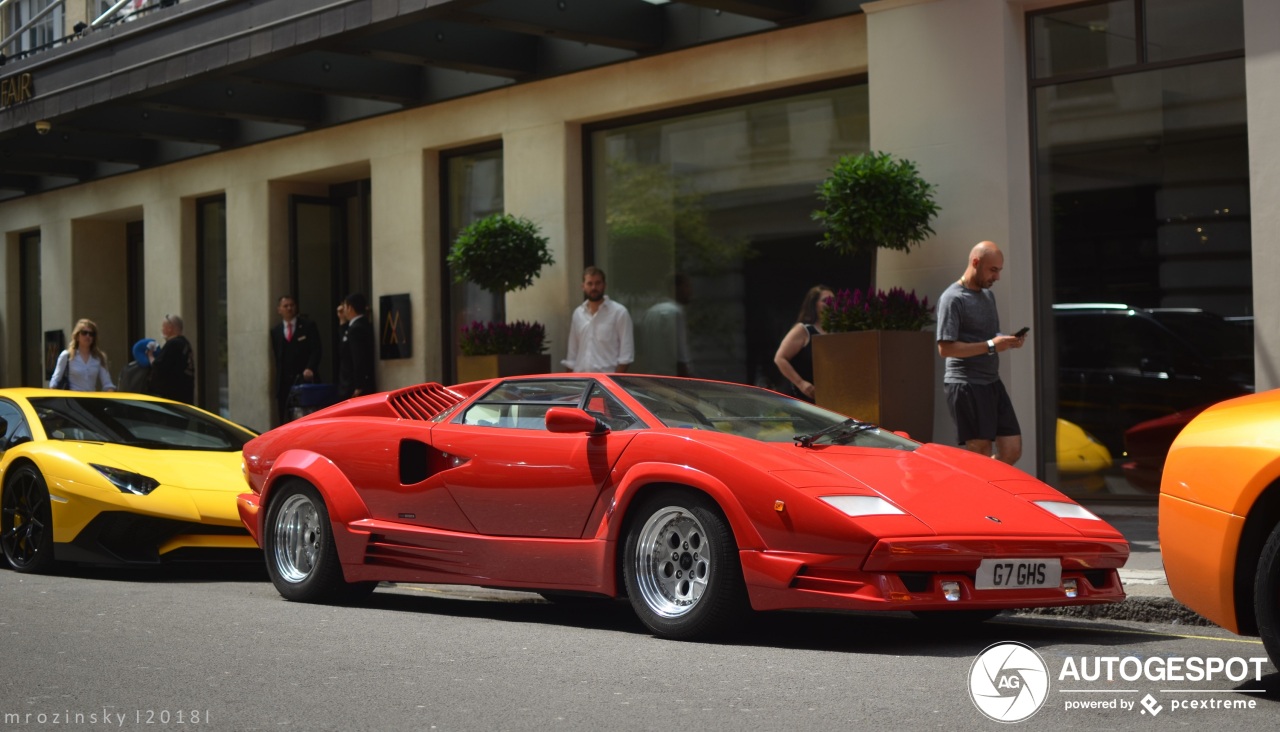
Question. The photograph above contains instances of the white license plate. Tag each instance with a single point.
(1016, 574)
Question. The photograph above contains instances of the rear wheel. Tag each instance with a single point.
(1266, 595)
(681, 568)
(302, 558)
(26, 522)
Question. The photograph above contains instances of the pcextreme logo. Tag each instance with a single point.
(1008, 682)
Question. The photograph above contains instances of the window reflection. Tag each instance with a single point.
(1144, 232)
(702, 224)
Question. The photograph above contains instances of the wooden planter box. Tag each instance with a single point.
(477, 368)
(880, 376)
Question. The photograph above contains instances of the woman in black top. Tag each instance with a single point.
(795, 357)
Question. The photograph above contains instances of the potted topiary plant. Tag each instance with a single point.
(872, 201)
(875, 361)
(500, 253)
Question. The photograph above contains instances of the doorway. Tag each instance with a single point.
(329, 258)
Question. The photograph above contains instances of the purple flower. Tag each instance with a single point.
(498, 338)
(896, 309)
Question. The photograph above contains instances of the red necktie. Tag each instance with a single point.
(288, 331)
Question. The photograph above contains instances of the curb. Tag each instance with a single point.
(1136, 609)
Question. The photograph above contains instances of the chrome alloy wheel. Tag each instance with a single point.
(299, 538)
(673, 562)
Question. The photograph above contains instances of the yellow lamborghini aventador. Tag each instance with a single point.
(114, 478)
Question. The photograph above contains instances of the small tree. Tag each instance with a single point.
(872, 201)
(500, 253)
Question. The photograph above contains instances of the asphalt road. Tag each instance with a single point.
(196, 649)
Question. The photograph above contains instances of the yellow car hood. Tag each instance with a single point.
(197, 470)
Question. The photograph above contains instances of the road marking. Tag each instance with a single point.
(1129, 631)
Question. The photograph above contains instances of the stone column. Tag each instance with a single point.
(1262, 72)
(947, 86)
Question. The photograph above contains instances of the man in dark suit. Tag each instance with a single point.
(295, 344)
(355, 354)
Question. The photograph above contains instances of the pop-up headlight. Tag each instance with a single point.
(1062, 509)
(863, 505)
(126, 481)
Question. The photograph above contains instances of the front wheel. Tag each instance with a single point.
(302, 559)
(26, 522)
(681, 567)
(1266, 595)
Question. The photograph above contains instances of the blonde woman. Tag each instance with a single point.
(83, 366)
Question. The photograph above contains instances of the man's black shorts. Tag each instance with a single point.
(981, 411)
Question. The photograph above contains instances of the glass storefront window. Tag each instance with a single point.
(473, 189)
(1144, 259)
(707, 217)
(1084, 39)
(1184, 28)
(40, 34)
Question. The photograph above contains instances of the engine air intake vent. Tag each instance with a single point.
(423, 401)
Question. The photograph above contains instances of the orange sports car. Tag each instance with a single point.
(1220, 516)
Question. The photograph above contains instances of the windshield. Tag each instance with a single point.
(749, 412)
(137, 423)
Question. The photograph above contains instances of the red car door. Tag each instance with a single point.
(510, 476)
(527, 482)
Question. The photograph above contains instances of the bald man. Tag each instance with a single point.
(969, 339)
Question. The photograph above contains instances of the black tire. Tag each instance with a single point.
(26, 522)
(681, 568)
(302, 559)
(1266, 595)
(955, 617)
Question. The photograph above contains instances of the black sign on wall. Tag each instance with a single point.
(395, 324)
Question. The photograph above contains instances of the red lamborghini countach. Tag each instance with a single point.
(696, 500)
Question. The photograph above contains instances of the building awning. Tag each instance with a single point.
(204, 76)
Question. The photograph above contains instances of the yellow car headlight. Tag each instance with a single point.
(126, 481)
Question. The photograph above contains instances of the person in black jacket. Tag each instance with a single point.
(295, 344)
(173, 366)
(355, 353)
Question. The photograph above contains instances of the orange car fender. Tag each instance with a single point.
(340, 497)
(642, 475)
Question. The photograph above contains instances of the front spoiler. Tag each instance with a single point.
(794, 581)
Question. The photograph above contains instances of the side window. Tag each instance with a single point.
(511, 416)
(523, 404)
(16, 430)
(603, 406)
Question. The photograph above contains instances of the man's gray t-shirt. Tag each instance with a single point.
(969, 316)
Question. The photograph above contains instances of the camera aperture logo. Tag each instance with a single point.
(1008, 682)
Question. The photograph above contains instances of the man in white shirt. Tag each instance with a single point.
(600, 336)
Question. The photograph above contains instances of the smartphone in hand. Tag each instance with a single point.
(1022, 332)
